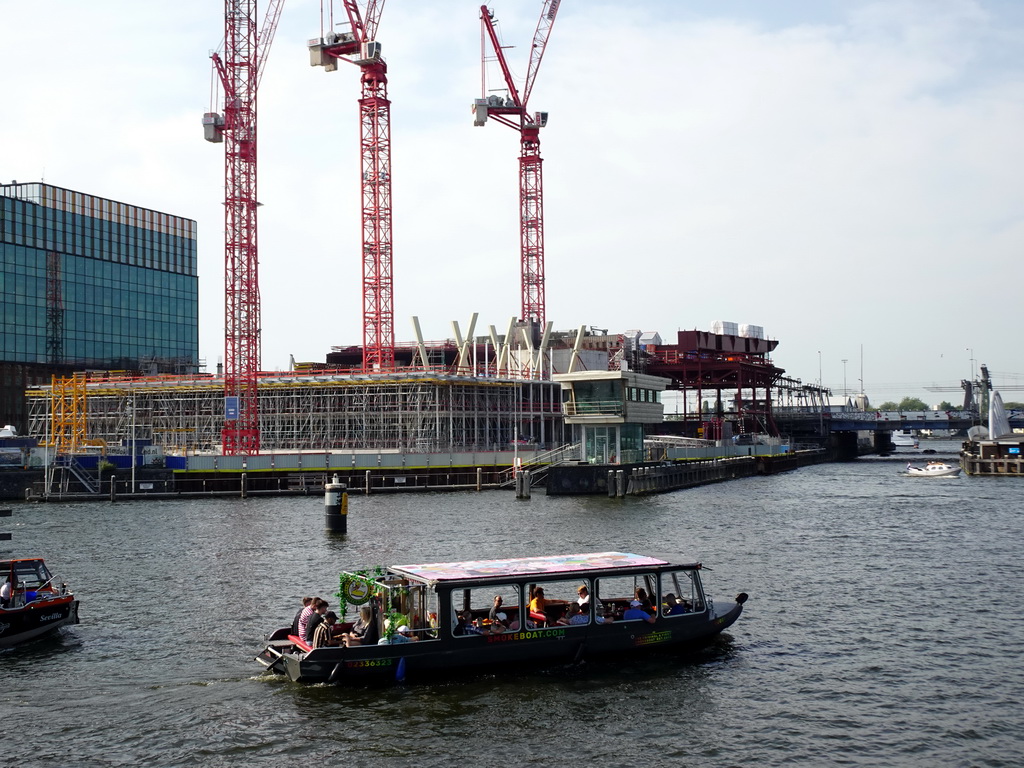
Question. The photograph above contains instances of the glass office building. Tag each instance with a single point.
(93, 283)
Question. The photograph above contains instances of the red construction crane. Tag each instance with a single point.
(513, 112)
(358, 46)
(239, 71)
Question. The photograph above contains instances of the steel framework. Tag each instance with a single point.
(239, 70)
(405, 412)
(513, 112)
(359, 47)
(64, 426)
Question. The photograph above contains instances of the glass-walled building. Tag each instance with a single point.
(608, 411)
(91, 283)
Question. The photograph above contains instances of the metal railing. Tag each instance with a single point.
(594, 408)
(546, 460)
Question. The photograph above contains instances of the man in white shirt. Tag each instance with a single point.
(6, 593)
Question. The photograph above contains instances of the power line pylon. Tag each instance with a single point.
(513, 112)
(239, 71)
(359, 46)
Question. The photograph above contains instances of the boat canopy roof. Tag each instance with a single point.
(29, 572)
(534, 566)
(5, 565)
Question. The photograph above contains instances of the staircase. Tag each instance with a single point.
(68, 465)
(540, 464)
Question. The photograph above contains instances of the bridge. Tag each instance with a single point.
(886, 421)
(810, 424)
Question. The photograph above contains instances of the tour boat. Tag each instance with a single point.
(552, 610)
(933, 469)
(36, 606)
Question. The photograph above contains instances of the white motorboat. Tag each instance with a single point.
(933, 469)
(902, 438)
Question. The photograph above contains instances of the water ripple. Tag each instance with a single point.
(883, 628)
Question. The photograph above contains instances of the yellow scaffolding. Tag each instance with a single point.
(67, 412)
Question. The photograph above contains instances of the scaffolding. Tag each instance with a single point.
(415, 412)
(63, 426)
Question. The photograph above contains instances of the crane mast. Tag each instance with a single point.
(358, 46)
(514, 112)
(239, 71)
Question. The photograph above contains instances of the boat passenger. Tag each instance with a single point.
(464, 625)
(364, 631)
(323, 635)
(499, 623)
(403, 635)
(7, 593)
(635, 612)
(305, 616)
(645, 601)
(674, 606)
(496, 608)
(396, 619)
(298, 614)
(538, 603)
(578, 614)
(585, 600)
(319, 609)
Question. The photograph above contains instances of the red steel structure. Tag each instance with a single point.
(239, 71)
(513, 113)
(359, 47)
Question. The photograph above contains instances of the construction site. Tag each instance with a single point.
(474, 397)
(474, 393)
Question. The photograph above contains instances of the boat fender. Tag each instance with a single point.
(741, 598)
(400, 671)
(335, 673)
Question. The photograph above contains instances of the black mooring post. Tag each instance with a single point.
(335, 506)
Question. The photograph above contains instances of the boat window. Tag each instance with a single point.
(681, 593)
(472, 609)
(410, 604)
(616, 593)
(30, 573)
(552, 602)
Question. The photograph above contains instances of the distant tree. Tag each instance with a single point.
(945, 405)
(912, 404)
(1013, 406)
(906, 404)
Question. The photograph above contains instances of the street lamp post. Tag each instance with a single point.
(846, 392)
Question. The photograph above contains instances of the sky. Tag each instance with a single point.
(846, 174)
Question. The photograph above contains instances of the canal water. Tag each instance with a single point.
(884, 627)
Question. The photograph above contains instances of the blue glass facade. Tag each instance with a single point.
(90, 282)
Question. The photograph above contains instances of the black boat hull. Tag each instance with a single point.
(510, 650)
(20, 625)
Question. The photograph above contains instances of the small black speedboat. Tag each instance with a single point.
(31, 605)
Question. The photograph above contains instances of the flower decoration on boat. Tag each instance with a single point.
(357, 587)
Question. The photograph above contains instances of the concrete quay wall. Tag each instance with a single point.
(661, 477)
